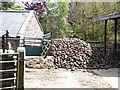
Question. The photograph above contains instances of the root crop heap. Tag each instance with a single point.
(76, 54)
(71, 53)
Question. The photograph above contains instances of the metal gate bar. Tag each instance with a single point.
(8, 70)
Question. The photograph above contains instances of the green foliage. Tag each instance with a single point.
(9, 6)
(81, 15)
(6, 5)
(16, 7)
(74, 20)
(56, 19)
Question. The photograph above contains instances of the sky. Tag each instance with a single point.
(25, 1)
(29, 1)
(19, 2)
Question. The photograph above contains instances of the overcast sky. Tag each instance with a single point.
(25, 1)
(44, 0)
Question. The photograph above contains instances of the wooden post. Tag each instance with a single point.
(20, 73)
(0, 69)
(105, 37)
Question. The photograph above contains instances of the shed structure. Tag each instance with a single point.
(115, 18)
(21, 25)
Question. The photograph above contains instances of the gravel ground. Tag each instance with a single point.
(61, 78)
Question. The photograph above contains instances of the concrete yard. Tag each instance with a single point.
(61, 78)
(111, 76)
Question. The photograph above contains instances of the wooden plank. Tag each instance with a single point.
(46, 34)
(17, 39)
(46, 40)
(33, 44)
(34, 41)
(32, 38)
(20, 73)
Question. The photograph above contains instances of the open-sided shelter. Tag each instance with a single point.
(115, 18)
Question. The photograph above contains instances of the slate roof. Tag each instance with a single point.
(12, 21)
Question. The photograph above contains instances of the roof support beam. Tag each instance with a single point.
(115, 40)
(105, 37)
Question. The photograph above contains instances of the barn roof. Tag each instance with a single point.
(19, 23)
(109, 17)
(12, 21)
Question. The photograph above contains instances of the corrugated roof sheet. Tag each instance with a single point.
(112, 16)
(11, 21)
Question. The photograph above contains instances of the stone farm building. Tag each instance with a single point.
(21, 25)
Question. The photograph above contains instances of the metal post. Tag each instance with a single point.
(105, 37)
(7, 39)
(115, 40)
(3, 43)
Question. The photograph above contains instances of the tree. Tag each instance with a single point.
(9, 5)
(81, 15)
(6, 4)
(56, 19)
(40, 9)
